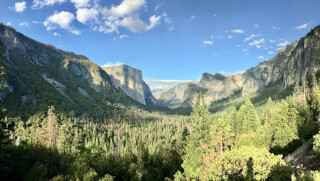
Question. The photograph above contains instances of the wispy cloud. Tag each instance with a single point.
(123, 36)
(257, 43)
(303, 26)
(36, 4)
(111, 64)
(238, 31)
(24, 23)
(231, 73)
(276, 28)
(158, 6)
(56, 34)
(256, 25)
(283, 44)
(252, 36)
(207, 42)
(193, 17)
(261, 57)
(167, 20)
(149, 80)
(230, 36)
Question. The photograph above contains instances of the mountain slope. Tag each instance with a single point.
(130, 81)
(298, 60)
(41, 75)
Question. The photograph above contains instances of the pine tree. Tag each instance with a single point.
(284, 125)
(51, 127)
(199, 140)
(247, 118)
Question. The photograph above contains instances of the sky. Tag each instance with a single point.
(170, 41)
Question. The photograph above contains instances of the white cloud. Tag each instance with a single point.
(84, 15)
(247, 54)
(126, 7)
(126, 15)
(238, 31)
(261, 57)
(304, 26)
(229, 36)
(244, 49)
(283, 44)
(24, 23)
(231, 73)
(256, 25)
(193, 17)
(215, 15)
(62, 20)
(19, 7)
(56, 34)
(270, 52)
(238, 46)
(207, 42)
(123, 36)
(9, 23)
(111, 64)
(135, 24)
(257, 43)
(81, 3)
(252, 36)
(41, 3)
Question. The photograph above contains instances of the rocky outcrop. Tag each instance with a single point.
(173, 95)
(293, 63)
(49, 76)
(130, 81)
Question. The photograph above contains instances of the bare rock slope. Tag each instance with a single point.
(296, 61)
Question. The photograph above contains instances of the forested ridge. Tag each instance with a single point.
(238, 138)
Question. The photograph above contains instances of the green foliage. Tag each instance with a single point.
(316, 143)
(236, 161)
(198, 141)
(284, 126)
(247, 118)
(37, 172)
(310, 176)
(280, 172)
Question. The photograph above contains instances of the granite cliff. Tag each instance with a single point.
(130, 81)
(293, 63)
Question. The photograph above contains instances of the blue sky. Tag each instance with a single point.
(169, 39)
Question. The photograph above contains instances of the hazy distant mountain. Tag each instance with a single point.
(296, 61)
(41, 75)
(130, 81)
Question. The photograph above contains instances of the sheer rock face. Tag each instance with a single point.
(296, 61)
(130, 81)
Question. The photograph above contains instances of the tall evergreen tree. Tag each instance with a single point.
(247, 118)
(199, 140)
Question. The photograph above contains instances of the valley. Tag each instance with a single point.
(66, 118)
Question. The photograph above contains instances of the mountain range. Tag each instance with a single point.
(41, 75)
(297, 61)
